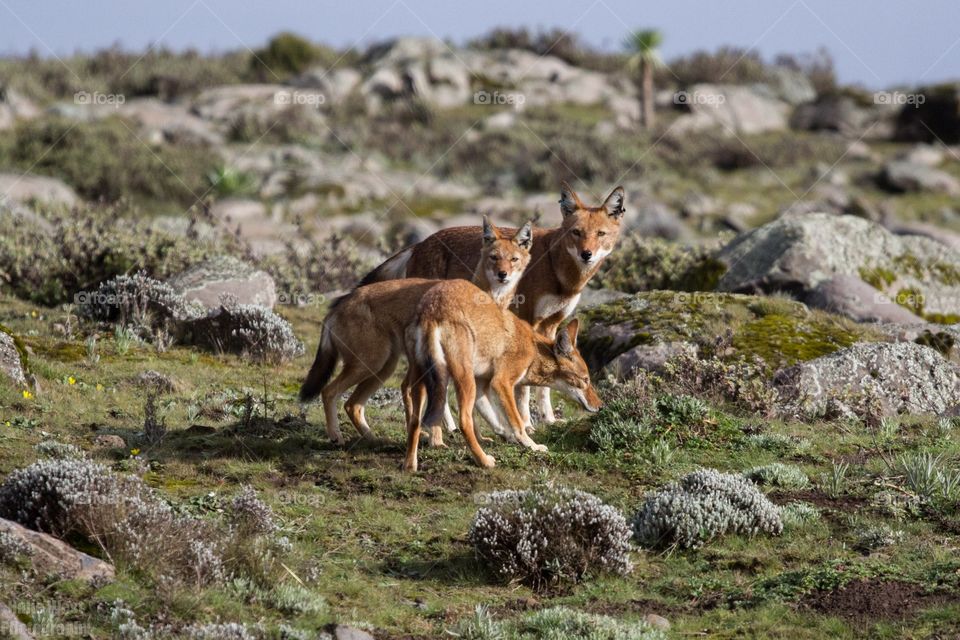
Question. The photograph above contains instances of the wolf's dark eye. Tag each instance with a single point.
(576, 232)
(514, 259)
(601, 233)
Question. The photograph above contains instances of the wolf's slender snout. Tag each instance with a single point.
(502, 275)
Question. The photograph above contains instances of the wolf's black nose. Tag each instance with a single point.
(586, 255)
(502, 275)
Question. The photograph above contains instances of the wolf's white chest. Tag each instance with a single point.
(550, 304)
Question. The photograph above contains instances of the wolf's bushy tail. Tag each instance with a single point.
(323, 365)
(393, 268)
(432, 362)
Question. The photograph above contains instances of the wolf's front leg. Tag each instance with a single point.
(504, 391)
(546, 408)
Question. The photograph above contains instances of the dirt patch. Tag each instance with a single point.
(820, 499)
(869, 600)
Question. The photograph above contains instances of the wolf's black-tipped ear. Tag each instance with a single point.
(524, 237)
(569, 200)
(563, 346)
(614, 203)
(490, 233)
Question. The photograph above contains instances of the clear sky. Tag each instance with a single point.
(877, 43)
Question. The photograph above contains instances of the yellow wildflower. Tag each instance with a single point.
(26, 394)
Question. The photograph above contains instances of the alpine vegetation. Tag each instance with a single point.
(701, 506)
(777, 474)
(543, 536)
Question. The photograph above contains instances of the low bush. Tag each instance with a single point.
(777, 474)
(131, 523)
(245, 329)
(288, 54)
(555, 623)
(138, 300)
(545, 536)
(701, 506)
(742, 383)
(797, 515)
(106, 160)
(55, 255)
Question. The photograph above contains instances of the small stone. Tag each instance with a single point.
(657, 622)
(51, 555)
(345, 632)
(109, 441)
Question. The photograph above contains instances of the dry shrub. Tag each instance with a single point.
(546, 536)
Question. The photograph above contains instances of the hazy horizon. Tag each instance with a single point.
(886, 44)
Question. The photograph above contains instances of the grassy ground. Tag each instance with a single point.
(389, 549)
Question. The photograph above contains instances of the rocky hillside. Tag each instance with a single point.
(774, 340)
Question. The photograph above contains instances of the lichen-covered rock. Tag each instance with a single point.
(23, 188)
(702, 506)
(902, 175)
(209, 282)
(12, 626)
(245, 329)
(11, 362)
(905, 377)
(850, 296)
(49, 555)
(797, 253)
(778, 330)
(648, 357)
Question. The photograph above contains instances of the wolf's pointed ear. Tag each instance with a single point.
(562, 346)
(524, 237)
(614, 203)
(569, 200)
(571, 330)
(490, 233)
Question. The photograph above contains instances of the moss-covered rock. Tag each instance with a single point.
(798, 253)
(778, 330)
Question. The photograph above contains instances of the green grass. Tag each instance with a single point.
(389, 549)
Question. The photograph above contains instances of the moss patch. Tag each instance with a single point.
(778, 330)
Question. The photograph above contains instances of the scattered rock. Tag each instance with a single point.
(10, 625)
(901, 175)
(50, 555)
(248, 219)
(925, 154)
(11, 362)
(830, 113)
(595, 297)
(648, 358)
(25, 188)
(852, 297)
(344, 632)
(734, 108)
(210, 281)
(657, 622)
(109, 441)
(905, 377)
(796, 253)
(926, 230)
(334, 84)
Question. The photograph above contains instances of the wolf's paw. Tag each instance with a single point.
(488, 462)
(538, 447)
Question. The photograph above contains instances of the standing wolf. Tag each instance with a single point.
(365, 329)
(562, 262)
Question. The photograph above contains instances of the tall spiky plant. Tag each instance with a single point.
(643, 45)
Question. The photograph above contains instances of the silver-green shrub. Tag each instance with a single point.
(542, 536)
(701, 506)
